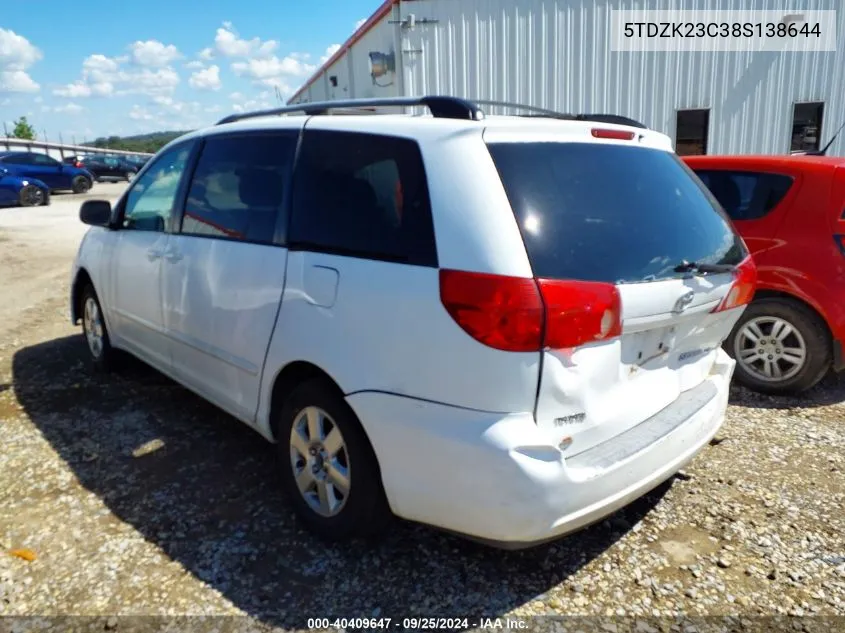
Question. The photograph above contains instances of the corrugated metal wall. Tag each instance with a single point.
(556, 54)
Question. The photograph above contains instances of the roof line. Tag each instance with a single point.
(362, 30)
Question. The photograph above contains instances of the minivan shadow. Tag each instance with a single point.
(201, 486)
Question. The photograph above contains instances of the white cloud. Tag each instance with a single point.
(273, 71)
(212, 109)
(38, 99)
(161, 81)
(207, 54)
(17, 54)
(195, 65)
(237, 96)
(360, 23)
(105, 76)
(70, 108)
(17, 81)
(229, 44)
(138, 113)
(153, 53)
(331, 50)
(207, 79)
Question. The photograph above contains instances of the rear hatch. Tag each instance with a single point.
(635, 221)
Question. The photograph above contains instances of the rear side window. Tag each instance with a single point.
(238, 187)
(746, 195)
(362, 195)
(611, 213)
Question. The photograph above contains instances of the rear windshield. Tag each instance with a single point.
(611, 213)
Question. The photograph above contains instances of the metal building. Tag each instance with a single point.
(556, 54)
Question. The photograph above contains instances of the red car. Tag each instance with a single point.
(791, 212)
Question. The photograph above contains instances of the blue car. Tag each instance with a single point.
(21, 191)
(48, 170)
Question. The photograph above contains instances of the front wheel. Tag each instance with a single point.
(329, 470)
(80, 184)
(31, 196)
(95, 332)
(780, 347)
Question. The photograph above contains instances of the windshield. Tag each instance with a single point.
(611, 213)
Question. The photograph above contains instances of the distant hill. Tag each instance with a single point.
(149, 143)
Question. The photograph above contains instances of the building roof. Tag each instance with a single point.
(362, 30)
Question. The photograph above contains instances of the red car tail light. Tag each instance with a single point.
(619, 135)
(743, 287)
(523, 315)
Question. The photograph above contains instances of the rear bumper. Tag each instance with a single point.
(501, 479)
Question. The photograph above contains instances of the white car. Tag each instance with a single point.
(505, 327)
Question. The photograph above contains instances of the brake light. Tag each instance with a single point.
(619, 135)
(523, 315)
(579, 312)
(743, 287)
(78, 164)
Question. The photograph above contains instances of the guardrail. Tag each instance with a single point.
(62, 149)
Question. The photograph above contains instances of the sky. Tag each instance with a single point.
(98, 68)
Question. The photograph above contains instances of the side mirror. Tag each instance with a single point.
(95, 213)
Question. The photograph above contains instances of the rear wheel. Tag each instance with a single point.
(780, 346)
(31, 196)
(80, 184)
(329, 469)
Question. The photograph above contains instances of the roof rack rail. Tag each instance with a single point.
(440, 107)
(543, 112)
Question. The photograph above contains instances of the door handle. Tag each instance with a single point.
(173, 256)
(153, 254)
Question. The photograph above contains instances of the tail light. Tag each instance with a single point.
(619, 135)
(523, 315)
(79, 165)
(742, 288)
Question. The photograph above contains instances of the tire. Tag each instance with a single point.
(781, 347)
(363, 510)
(31, 196)
(80, 184)
(94, 328)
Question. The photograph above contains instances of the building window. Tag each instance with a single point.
(691, 130)
(806, 127)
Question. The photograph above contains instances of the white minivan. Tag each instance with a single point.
(506, 327)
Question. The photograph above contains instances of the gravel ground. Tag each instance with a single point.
(132, 496)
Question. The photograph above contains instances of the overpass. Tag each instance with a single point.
(59, 150)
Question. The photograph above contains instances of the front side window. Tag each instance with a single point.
(746, 195)
(363, 195)
(238, 186)
(150, 201)
(611, 213)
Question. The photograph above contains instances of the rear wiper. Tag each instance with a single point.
(702, 268)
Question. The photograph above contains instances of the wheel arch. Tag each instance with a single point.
(82, 279)
(288, 379)
(785, 296)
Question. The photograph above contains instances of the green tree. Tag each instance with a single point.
(23, 130)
